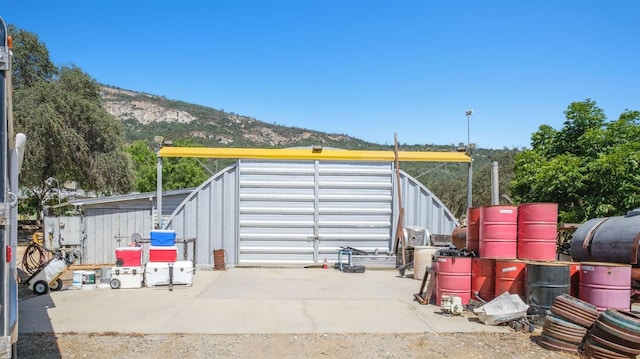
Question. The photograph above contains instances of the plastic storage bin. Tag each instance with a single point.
(163, 254)
(128, 256)
(126, 277)
(163, 237)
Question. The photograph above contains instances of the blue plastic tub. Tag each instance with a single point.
(163, 237)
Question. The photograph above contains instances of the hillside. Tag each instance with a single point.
(144, 116)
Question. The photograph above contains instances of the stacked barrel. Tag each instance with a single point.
(507, 240)
(515, 251)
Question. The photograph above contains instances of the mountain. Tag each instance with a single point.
(144, 116)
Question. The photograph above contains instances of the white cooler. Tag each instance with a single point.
(157, 273)
(126, 277)
(183, 272)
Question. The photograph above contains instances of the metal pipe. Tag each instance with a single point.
(495, 190)
(470, 153)
(470, 186)
(159, 192)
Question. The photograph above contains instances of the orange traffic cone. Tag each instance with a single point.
(324, 266)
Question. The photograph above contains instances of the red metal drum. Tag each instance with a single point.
(511, 277)
(473, 229)
(498, 232)
(606, 285)
(574, 278)
(454, 278)
(483, 276)
(537, 231)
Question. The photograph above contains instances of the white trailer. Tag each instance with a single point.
(11, 152)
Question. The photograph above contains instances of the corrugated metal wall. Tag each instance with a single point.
(209, 215)
(109, 228)
(286, 212)
(422, 208)
(108, 223)
(304, 211)
(269, 212)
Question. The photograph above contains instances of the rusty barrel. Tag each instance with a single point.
(546, 281)
(510, 277)
(537, 231)
(218, 259)
(606, 285)
(498, 232)
(483, 275)
(473, 229)
(459, 237)
(454, 278)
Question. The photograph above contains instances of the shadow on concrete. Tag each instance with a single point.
(36, 337)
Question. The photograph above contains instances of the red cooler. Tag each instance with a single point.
(128, 256)
(163, 254)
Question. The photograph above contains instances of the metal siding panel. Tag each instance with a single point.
(354, 207)
(263, 212)
(422, 208)
(276, 209)
(209, 216)
(104, 226)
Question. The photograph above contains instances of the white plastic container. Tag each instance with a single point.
(126, 277)
(156, 273)
(183, 273)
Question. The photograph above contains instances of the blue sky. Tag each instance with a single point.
(366, 68)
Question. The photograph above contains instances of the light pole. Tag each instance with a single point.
(159, 141)
(470, 175)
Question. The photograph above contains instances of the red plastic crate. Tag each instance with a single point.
(128, 256)
(163, 254)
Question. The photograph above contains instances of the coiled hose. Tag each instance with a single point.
(35, 257)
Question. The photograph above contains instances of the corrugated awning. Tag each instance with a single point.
(312, 154)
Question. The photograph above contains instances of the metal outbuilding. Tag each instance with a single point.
(274, 209)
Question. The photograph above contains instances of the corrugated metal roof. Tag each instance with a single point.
(129, 197)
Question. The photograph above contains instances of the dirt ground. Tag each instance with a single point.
(429, 345)
(513, 345)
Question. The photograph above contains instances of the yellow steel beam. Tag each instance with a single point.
(311, 154)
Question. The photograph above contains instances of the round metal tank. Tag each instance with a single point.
(473, 229)
(611, 239)
(459, 237)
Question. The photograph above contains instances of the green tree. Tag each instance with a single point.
(31, 63)
(144, 164)
(590, 167)
(70, 136)
(176, 172)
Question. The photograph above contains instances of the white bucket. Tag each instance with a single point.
(77, 279)
(88, 279)
(422, 256)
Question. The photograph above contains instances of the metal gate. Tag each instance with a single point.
(296, 212)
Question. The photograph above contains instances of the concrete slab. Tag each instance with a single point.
(248, 301)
